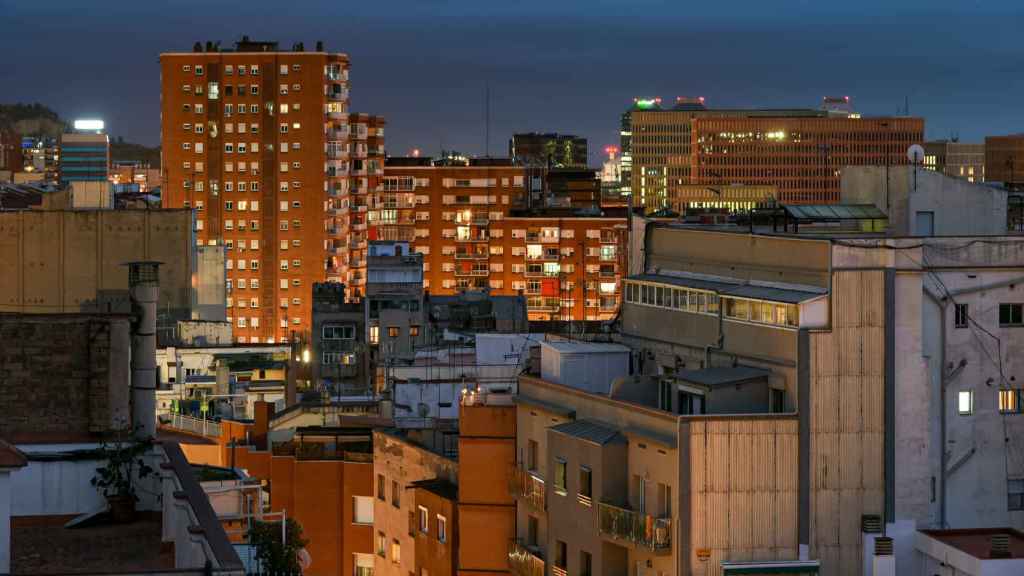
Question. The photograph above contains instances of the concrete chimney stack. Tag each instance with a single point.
(144, 285)
(884, 561)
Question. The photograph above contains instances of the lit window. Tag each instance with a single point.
(965, 402)
(1009, 401)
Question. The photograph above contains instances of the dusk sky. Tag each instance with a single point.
(567, 66)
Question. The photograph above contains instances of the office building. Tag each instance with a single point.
(85, 165)
(1004, 159)
(475, 229)
(259, 141)
(956, 159)
(548, 150)
(798, 151)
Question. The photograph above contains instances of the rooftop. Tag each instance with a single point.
(10, 456)
(590, 431)
(580, 347)
(977, 542)
(43, 545)
(723, 376)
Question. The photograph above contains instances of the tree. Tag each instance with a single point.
(275, 558)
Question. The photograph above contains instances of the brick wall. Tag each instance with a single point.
(62, 377)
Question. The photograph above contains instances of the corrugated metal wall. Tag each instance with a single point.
(847, 382)
(743, 481)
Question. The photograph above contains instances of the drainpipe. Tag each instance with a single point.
(941, 303)
(720, 343)
(144, 286)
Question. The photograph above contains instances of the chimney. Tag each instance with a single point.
(144, 286)
(884, 562)
(1000, 546)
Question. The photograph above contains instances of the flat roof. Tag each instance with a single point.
(579, 347)
(590, 431)
(977, 542)
(42, 545)
(722, 376)
(834, 211)
(734, 288)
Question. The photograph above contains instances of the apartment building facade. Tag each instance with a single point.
(799, 151)
(409, 526)
(260, 143)
(474, 229)
(891, 352)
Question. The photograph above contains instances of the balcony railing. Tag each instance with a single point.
(559, 571)
(528, 487)
(198, 426)
(471, 255)
(478, 238)
(483, 272)
(642, 530)
(525, 560)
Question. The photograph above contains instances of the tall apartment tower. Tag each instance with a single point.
(260, 143)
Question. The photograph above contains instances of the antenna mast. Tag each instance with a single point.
(487, 119)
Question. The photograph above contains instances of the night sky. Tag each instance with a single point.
(554, 65)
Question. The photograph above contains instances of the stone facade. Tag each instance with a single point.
(68, 375)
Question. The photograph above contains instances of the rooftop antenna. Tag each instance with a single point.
(487, 119)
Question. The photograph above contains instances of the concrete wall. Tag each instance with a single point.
(959, 207)
(741, 488)
(486, 511)
(399, 461)
(210, 292)
(763, 258)
(847, 420)
(64, 261)
(67, 375)
(204, 333)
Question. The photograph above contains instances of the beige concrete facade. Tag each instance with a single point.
(397, 463)
(64, 261)
(667, 494)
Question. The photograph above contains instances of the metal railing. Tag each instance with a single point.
(525, 560)
(197, 426)
(528, 487)
(640, 529)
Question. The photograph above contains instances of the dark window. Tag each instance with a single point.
(396, 495)
(1011, 314)
(531, 531)
(560, 467)
(665, 395)
(561, 554)
(778, 400)
(380, 487)
(531, 454)
(586, 490)
(586, 563)
(960, 317)
(1015, 493)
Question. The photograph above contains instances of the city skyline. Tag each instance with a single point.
(573, 71)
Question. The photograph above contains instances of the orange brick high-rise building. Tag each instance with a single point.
(478, 227)
(260, 142)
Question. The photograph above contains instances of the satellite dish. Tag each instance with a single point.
(915, 154)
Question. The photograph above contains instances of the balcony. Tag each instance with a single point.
(539, 274)
(622, 525)
(473, 238)
(525, 560)
(528, 487)
(336, 114)
(359, 226)
(337, 95)
(336, 168)
(471, 255)
(474, 272)
(337, 153)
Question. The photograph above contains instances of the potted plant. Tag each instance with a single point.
(116, 479)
